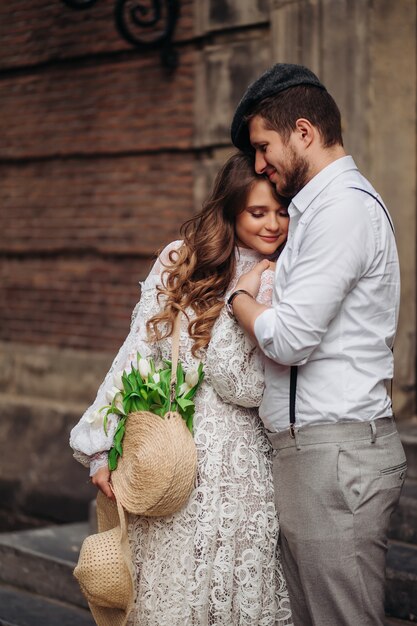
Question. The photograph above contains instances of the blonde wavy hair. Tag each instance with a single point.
(200, 271)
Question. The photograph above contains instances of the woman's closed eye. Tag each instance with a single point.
(282, 213)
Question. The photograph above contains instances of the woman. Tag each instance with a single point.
(215, 562)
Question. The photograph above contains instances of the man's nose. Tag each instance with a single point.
(260, 163)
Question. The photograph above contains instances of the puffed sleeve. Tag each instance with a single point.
(88, 439)
(234, 363)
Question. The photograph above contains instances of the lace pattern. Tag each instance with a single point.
(215, 562)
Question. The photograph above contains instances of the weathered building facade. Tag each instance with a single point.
(104, 152)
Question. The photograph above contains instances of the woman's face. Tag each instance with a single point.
(263, 224)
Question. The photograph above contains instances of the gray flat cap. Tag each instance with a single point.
(279, 77)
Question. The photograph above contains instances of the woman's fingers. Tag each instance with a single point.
(101, 479)
(251, 281)
(262, 266)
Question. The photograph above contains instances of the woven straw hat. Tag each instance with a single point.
(104, 570)
(156, 473)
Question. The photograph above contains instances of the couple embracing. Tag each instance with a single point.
(288, 281)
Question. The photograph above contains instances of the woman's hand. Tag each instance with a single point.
(251, 281)
(101, 479)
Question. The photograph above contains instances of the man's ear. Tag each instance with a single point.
(305, 131)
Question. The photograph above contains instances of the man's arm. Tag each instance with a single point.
(332, 257)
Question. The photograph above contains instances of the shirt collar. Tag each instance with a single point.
(315, 186)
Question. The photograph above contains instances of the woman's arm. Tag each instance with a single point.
(88, 439)
(234, 364)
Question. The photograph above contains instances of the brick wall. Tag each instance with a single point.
(97, 169)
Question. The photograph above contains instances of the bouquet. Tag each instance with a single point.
(148, 388)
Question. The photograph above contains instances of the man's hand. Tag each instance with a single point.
(101, 479)
(245, 309)
(251, 281)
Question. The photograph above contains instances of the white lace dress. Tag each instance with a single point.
(216, 562)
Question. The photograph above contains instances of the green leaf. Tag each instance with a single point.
(113, 458)
(180, 374)
(189, 423)
(156, 390)
(165, 380)
(155, 397)
(184, 403)
(105, 420)
(118, 447)
(158, 410)
(190, 394)
(126, 383)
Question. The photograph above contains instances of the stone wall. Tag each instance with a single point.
(97, 168)
(105, 153)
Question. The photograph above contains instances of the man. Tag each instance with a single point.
(339, 466)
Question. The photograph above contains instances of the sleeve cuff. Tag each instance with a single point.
(99, 460)
(263, 326)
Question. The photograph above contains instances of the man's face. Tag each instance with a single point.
(280, 161)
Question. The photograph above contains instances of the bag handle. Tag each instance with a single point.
(176, 329)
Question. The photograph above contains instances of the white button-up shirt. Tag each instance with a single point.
(335, 305)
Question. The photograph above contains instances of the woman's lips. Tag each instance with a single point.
(269, 239)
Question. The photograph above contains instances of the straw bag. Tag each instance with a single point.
(155, 476)
(156, 473)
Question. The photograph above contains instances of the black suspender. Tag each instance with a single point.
(380, 204)
(293, 391)
(294, 368)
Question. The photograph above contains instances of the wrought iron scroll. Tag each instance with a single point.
(145, 24)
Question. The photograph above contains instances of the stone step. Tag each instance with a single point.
(22, 608)
(36, 579)
(401, 586)
(403, 525)
(41, 561)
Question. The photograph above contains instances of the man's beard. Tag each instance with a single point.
(294, 177)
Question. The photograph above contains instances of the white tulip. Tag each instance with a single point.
(191, 377)
(95, 418)
(111, 393)
(156, 378)
(117, 380)
(144, 368)
(118, 403)
(183, 389)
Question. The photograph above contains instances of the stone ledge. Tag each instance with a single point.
(38, 476)
(53, 373)
(21, 608)
(403, 525)
(401, 586)
(42, 561)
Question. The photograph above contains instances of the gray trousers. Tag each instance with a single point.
(335, 489)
